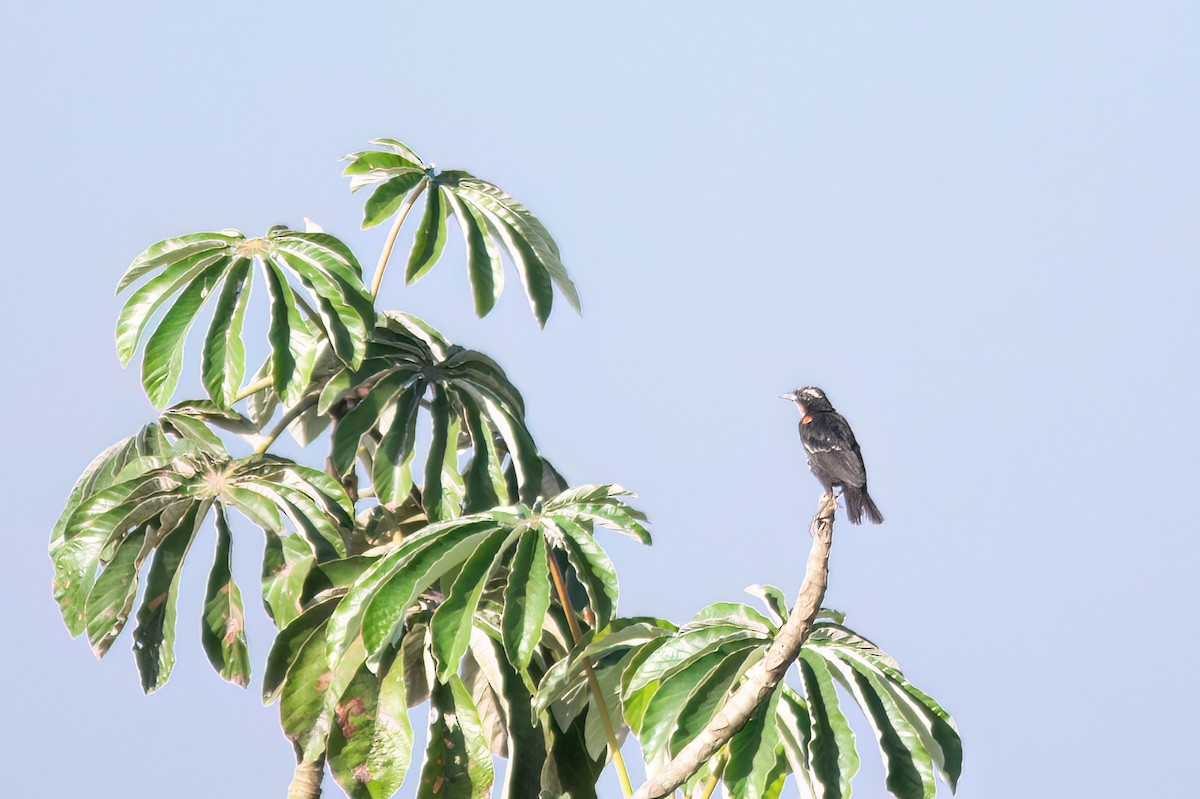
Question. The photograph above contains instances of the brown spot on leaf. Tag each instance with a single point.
(362, 773)
(344, 710)
(323, 681)
(233, 627)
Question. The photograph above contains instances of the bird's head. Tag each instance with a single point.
(808, 399)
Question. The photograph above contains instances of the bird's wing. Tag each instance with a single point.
(830, 442)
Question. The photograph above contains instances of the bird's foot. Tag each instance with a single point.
(828, 504)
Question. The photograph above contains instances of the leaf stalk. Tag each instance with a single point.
(377, 280)
(614, 745)
(289, 417)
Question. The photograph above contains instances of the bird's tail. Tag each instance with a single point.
(857, 501)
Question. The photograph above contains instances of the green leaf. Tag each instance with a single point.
(106, 469)
(593, 568)
(163, 361)
(385, 613)
(287, 562)
(98, 519)
(458, 764)
(689, 644)
(753, 753)
(309, 517)
(539, 289)
(386, 200)
(634, 701)
(171, 251)
(662, 712)
(934, 725)
(154, 637)
(391, 470)
(526, 599)
(261, 405)
(344, 309)
(368, 161)
(224, 363)
(503, 702)
(334, 390)
(483, 258)
(284, 317)
(308, 425)
(431, 491)
(453, 620)
(254, 506)
(304, 684)
(525, 460)
(224, 631)
(289, 644)
(430, 238)
(709, 694)
(484, 476)
(355, 424)
(907, 763)
(401, 149)
(111, 597)
(570, 770)
(195, 431)
(371, 741)
(774, 600)
(526, 240)
(142, 304)
(833, 759)
(794, 728)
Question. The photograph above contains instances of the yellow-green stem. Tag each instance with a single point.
(253, 388)
(614, 745)
(289, 417)
(391, 239)
(713, 780)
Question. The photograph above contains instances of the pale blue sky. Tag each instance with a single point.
(974, 224)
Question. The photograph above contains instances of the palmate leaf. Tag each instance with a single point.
(191, 268)
(509, 548)
(491, 222)
(154, 505)
(675, 686)
(406, 362)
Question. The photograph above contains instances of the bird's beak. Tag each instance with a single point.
(791, 396)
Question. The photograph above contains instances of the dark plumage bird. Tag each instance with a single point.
(833, 453)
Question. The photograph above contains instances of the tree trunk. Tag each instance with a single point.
(763, 676)
(306, 780)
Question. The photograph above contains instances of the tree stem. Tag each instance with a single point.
(306, 780)
(391, 238)
(614, 746)
(710, 785)
(289, 417)
(254, 388)
(763, 676)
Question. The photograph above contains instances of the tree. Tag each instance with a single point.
(437, 556)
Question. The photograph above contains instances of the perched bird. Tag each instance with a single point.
(833, 453)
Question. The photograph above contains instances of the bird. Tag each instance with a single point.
(833, 452)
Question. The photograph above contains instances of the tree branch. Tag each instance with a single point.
(763, 676)
(306, 779)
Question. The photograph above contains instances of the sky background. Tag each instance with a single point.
(976, 225)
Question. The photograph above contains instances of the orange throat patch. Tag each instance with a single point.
(806, 420)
